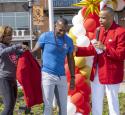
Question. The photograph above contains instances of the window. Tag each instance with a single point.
(22, 22)
(64, 3)
(15, 19)
(3, 1)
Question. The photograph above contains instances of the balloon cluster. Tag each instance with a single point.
(81, 33)
(83, 29)
(79, 98)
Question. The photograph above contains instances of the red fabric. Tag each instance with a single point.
(29, 76)
(110, 63)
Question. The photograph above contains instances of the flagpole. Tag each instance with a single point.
(30, 21)
(51, 28)
(51, 15)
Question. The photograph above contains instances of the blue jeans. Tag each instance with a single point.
(54, 84)
(8, 91)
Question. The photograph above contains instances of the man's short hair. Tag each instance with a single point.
(108, 9)
(62, 20)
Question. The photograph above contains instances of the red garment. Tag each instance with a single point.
(111, 61)
(29, 76)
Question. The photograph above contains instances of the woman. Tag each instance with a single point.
(8, 61)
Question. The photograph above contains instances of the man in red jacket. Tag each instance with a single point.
(107, 69)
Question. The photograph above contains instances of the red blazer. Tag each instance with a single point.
(111, 61)
(29, 76)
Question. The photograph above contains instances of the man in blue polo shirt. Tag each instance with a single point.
(56, 46)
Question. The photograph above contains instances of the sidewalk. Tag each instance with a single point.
(122, 87)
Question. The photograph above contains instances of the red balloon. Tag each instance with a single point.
(91, 21)
(96, 18)
(67, 72)
(90, 24)
(90, 15)
(77, 99)
(86, 88)
(85, 109)
(76, 70)
(71, 92)
(79, 80)
(80, 110)
(83, 11)
(90, 35)
(87, 98)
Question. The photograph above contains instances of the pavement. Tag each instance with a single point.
(122, 87)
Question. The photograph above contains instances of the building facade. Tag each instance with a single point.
(18, 15)
(62, 8)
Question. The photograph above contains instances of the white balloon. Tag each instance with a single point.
(71, 108)
(78, 30)
(78, 113)
(80, 14)
(69, 99)
(77, 19)
(83, 41)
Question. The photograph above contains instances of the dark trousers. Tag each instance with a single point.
(8, 91)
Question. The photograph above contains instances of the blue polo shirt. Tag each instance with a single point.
(54, 52)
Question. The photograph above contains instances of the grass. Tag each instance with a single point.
(38, 110)
(121, 102)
